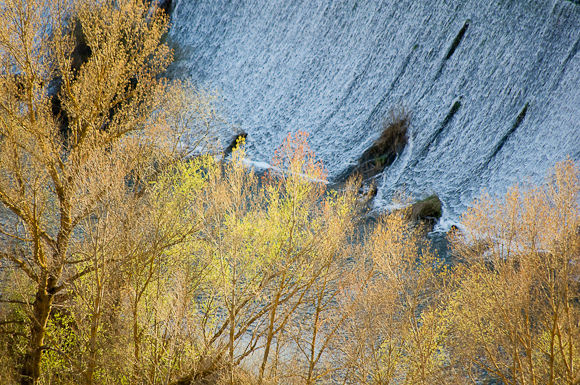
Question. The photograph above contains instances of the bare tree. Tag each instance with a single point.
(394, 333)
(85, 123)
(515, 310)
(266, 249)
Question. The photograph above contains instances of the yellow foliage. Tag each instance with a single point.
(516, 311)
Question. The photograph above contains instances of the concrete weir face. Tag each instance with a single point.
(493, 86)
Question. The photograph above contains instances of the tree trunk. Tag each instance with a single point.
(95, 320)
(271, 329)
(42, 305)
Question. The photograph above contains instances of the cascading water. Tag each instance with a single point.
(493, 86)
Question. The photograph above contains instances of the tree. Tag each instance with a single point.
(265, 247)
(394, 333)
(85, 123)
(515, 306)
(309, 246)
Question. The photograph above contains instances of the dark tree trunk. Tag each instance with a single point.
(42, 305)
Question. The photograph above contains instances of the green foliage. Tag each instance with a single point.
(58, 364)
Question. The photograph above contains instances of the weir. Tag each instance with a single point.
(334, 68)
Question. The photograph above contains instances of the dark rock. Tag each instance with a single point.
(427, 209)
(165, 5)
(233, 143)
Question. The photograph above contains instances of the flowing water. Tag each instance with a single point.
(493, 86)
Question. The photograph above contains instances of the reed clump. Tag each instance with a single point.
(391, 142)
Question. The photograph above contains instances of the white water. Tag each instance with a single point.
(334, 68)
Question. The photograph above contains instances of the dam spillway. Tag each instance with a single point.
(493, 86)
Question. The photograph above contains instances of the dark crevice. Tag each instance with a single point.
(454, 108)
(520, 118)
(457, 40)
(435, 137)
(453, 47)
(386, 148)
(573, 52)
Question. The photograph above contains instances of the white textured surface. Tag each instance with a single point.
(334, 68)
